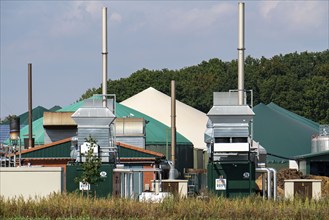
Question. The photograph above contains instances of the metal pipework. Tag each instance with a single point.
(241, 49)
(274, 182)
(104, 55)
(173, 129)
(266, 170)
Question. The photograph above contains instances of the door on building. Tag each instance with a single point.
(319, 168)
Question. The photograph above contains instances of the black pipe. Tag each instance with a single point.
(31, 144)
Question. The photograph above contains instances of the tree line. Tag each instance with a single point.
(298, 82)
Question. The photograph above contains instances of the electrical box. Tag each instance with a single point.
(178, 187)
(304, 188)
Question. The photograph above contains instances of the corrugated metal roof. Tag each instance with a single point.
(38, 132)
(4, 132)
(37, 113)
(156, 132)
(323, 154)
(71, 108)
(282, 132)
(127, 150)
(58, 149)
(292, 115)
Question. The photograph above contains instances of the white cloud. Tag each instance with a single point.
(308, 14)
(295, 15)
(115, 17)
(77, 18)
(267, 7)
(199, 18)
(169, 18)
(85, 9)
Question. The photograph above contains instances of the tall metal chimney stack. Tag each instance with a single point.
(30, 145)
(173, 120)
(241, 50)
(173, 129)
(104, 55)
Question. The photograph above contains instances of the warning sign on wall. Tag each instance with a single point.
(220, 184)
(84, 186)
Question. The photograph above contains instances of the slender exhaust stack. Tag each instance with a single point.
(30, 144)
(104, 55)
(241, 49)
(173, 120)
(173, 129)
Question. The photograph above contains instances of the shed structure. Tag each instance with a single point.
(57, 154)
(314, 163)
(282, 133)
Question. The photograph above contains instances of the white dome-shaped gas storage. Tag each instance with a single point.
(190, 122)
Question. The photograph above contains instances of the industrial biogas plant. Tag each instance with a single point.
(234, 157)
(106, 148)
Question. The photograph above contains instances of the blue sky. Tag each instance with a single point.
(62, 40)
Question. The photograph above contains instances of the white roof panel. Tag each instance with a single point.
(190, 122)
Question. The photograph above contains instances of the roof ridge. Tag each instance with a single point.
(45, 146)
(139, 149)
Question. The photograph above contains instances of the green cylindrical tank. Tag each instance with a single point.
(231, 179)
(102, 189)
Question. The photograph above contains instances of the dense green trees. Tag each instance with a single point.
(298, 82)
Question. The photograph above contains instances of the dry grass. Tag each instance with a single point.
(74, 206)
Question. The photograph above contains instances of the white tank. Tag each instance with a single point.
(323, 143)
(320, 144)
(314, 147)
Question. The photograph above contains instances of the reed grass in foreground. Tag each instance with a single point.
(74, 206)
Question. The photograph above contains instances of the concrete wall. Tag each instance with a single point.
(30, 181)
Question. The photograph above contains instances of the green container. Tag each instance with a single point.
(102, 189)
(231, 179)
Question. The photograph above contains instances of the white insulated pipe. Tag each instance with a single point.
(268, 172)
(126, 185)
(241, 50)
(104, 55)
(131, 190)
(274, 182)
(263, 184)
